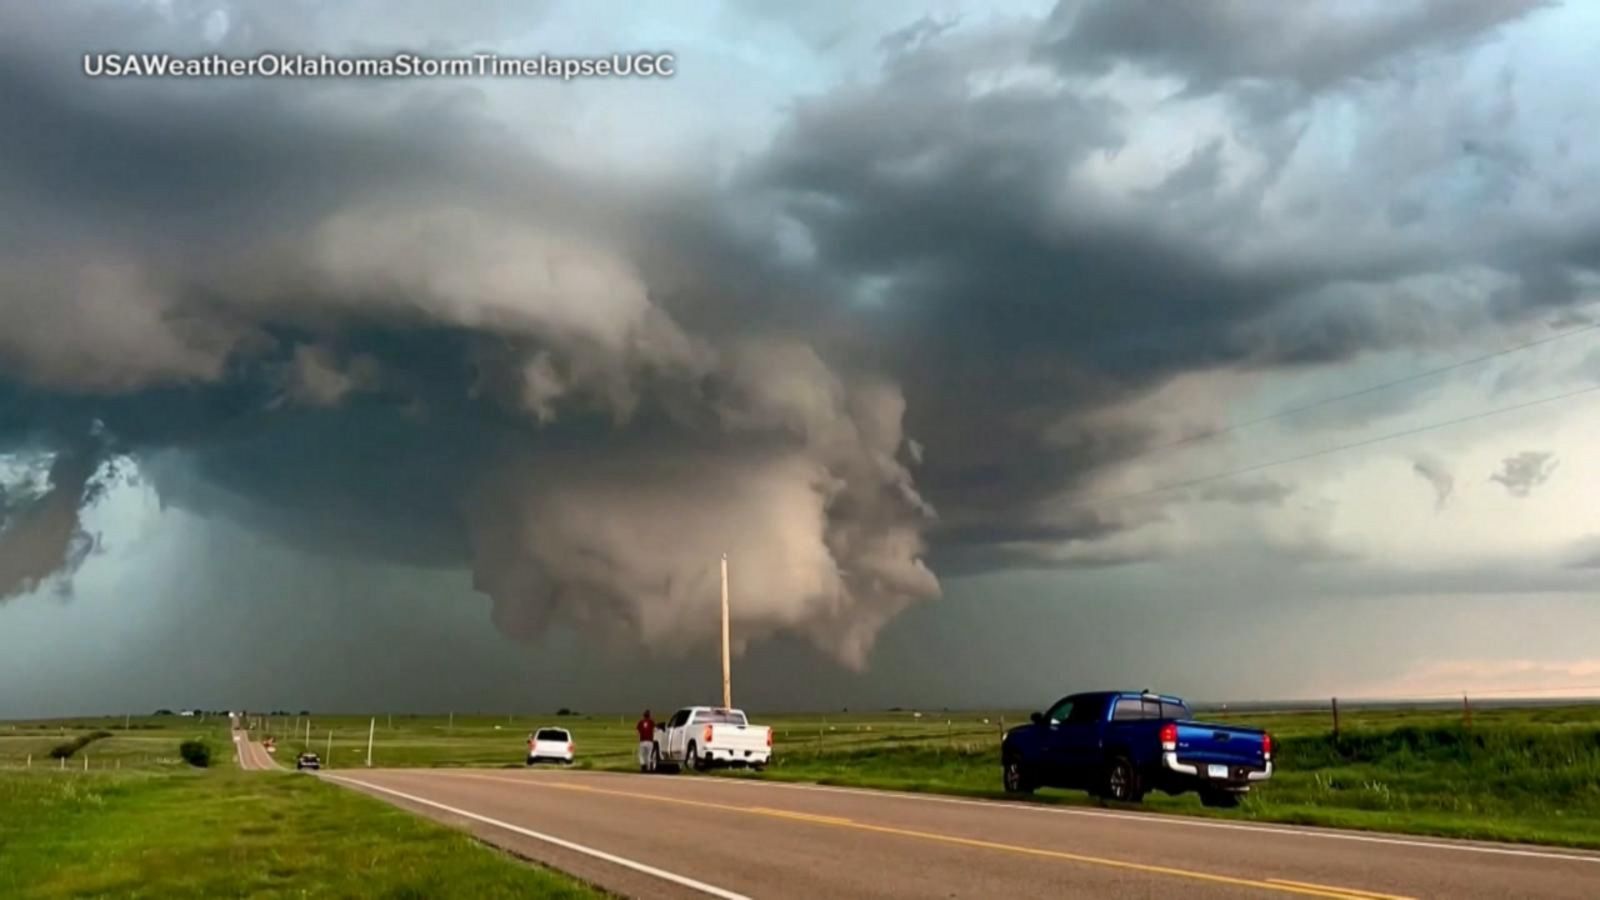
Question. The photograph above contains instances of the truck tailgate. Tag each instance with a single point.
(1206, 744)
(738, 737)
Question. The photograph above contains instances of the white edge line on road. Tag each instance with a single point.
(1157, 818)
(568, 845)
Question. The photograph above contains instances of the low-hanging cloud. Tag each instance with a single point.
(1522, 473)
(1438, 476)
(42, 536)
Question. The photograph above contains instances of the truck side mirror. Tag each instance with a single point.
(1037, 718)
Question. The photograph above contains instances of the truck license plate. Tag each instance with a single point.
(1217, 771)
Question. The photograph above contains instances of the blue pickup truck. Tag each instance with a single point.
(1121, 745)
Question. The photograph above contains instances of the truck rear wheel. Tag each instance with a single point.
(1017, 778)
(1122, 782)
(691, 758)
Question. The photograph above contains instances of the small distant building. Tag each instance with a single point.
(187, 712)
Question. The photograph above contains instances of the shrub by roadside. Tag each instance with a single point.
(195, 753)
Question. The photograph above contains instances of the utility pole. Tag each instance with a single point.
(308, 734)
(727, 676)
(372, 730)
(327, 758)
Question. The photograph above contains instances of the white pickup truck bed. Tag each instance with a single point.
(700, 736)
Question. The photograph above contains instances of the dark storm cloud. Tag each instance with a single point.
(372, 320)
(1311, 45)
(1014, 301)
(389, 329)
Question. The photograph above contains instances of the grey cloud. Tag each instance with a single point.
(1014, 301)
(360, 328)
(1311, 45)
(1522, 473)
(1246, 493)
(369, 321)
(42, 536)
(1437, 474)
(1586, 555)
(317, 377)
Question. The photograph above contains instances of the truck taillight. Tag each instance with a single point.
(570, 746)
(1266, 745)
(707, 735)
(1169, 736)
(769, 737)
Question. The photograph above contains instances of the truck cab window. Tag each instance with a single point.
(1128, 709)
(1087, 711)
(1061, 711)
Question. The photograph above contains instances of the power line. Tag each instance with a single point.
(1328, 451)
(1336, 398)
(1488, 692)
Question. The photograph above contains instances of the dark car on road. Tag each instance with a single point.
(308, 761)
(1122, 745)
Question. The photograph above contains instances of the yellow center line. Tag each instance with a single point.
(1370, 895)
(1276, 885)
(804, 817)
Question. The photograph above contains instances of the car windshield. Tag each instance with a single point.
(551, 734)
(720, 717)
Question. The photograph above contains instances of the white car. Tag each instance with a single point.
(699, 737)
(550, 745)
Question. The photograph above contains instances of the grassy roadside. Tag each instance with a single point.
(229, 833)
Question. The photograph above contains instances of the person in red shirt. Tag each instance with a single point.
(647, 734)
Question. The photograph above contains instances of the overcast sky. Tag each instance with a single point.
(1008, 349)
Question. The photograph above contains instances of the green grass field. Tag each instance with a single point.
(142, 823)
(1528, 774)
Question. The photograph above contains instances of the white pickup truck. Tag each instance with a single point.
(698, 737)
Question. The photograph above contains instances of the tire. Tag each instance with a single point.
(691, 758)
(1122, 782)
(1219, 799)
(1016, 777)
(665, 765)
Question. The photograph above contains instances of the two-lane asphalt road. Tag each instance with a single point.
(252, 756)
(668, 836)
